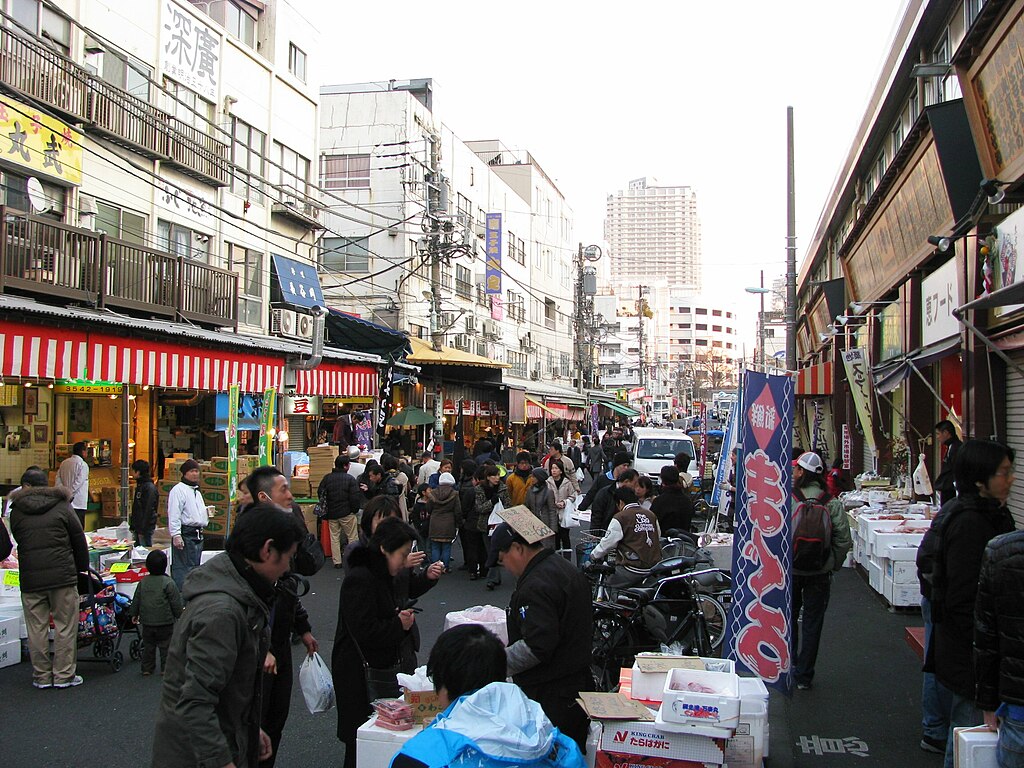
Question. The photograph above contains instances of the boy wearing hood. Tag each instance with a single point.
(51, 551)
(521, 478)
(445, 510)
(210, 705)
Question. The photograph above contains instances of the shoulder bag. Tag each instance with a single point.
(381, 682)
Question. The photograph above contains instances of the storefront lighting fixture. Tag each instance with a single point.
(282, 437)
(993, 189)
(825, 337)
(930, 69)
(271, 432)
(112, 397)
(28, 384)
(860, 307)
(941, 242)
(50, 385)
(844, 319)
(145, 387)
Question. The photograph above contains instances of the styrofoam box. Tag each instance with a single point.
(10, 628)
(975, 747)
(16, 613)
(720, 709)
(10, 653)
(650, 686)
(887, 544)
(376, 746)
(901, 595)
(903, 554)
(880, 538)
(875, 575)
(634, 737)
(901, 571)
(746, 748)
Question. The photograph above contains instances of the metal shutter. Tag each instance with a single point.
(296, 433)
(1015, 432)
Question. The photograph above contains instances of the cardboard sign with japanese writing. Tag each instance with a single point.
(525, 523)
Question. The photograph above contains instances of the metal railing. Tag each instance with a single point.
(44, 257)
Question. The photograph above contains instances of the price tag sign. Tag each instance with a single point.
(12, 579)
(119, 567)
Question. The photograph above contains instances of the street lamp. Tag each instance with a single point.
(761, 291)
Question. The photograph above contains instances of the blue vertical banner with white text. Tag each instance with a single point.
(760, 626)
(725, 457)
(492, 276)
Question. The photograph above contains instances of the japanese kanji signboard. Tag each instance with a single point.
(760, 626)
(940, 295)
(40, 142)
(492, 274)
(190, 51)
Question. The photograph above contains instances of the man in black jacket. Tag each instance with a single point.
(604, 507)
(144, 503)
(340, 493)
(620, 464)
(945, 435)
(998, 640)
(550, 629)
(673, 506)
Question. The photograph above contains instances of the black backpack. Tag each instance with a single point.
(391, 486)
(812, 533)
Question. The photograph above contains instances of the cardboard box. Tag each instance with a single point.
(301, 489)
(425, 705)
(10, 653)
(218, 497)
(213, 480)
(634, 737)
(605, 759)
(219, 464)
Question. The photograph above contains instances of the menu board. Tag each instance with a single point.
(896, 241)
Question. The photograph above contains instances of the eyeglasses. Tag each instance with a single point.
(1005, 473)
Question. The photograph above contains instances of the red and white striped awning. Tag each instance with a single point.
(561, 409)
(338, 381)
(816, 380)
(29, 351)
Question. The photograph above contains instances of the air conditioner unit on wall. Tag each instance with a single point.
(304, 326)
(535, 374)
(283, 322)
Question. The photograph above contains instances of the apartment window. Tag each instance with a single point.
(518, 362)
(248, 263)
(14, 194)
(914, 106)
(182, 241)
(716, 328)
(188, 106)
(550, 313)
(120, 224)
(346, 171)
(345, 254)
(127, 75)
(684, 310)
(701, 342)
(613, 349)
(297, 61)
(880, 167)
(43, 21)
(686, 326)
(520, 250)
(465, 210)
(294, 170)
(971, 10)
(702, 326)
(248, 155)
(511, 246)
(897, 137)
(716, 313)
(728, 314)
(463, 282)
(701, 311)
(240, 23)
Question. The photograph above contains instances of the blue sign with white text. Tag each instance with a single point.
(300, 283)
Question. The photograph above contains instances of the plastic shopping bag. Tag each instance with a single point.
(922, 482)
(489, 617)
(579, 474)
(494, 520)
(317, 687)
(566, 517)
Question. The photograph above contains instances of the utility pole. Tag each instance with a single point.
(432, 226)
(790, 248)
(640, 311)
(583, 318)
(579, 327)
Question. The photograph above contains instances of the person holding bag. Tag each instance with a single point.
(562, 490)
(372, 626)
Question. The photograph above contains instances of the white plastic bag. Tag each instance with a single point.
(487, 616)
(495, 519)
(579, 474)
(566, 514)
(317, 687)
(922, 482)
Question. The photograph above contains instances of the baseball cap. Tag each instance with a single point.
(501, 540)
(811, 462)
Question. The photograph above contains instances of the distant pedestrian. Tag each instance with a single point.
(73, 474)
(156, 605)
(490, 491)
(595, 459)
(52, 551)
(340, 495)
(541, 501)
(984, 476)
(445, 510)
(945, 436)
(562, 491)
(144, 505)
(673, 507)
(187, 518)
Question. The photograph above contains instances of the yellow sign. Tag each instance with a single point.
(89, 389)
(12, 578)
(119, 567)
(37, 141)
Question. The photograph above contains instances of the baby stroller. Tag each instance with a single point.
(102, 620)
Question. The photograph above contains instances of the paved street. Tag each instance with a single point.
(866, 690)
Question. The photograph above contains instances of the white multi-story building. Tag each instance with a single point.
(376, 153)
(653, 233)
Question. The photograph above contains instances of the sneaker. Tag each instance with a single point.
(803, 686)
(41, 686)
(935, 746)
(76, 680)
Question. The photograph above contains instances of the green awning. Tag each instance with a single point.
(619, 408)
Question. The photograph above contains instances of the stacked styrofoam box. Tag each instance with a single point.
(18, 615)
(650, 686)
(719, 708)
(901, 595)
(876, 575)
(975, 747)
(10, 649)
(749, 746)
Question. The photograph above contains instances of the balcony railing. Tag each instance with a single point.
(28, 66)
(44, 257)
(295, 205)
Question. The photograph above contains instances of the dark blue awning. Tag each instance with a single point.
(351, 332)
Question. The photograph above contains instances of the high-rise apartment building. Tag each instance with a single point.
(653, 233)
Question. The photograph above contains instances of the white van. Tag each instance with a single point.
(656, 448)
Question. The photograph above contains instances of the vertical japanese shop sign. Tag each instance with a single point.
(857, 376)
(387, 378)
(760, 627)
(232, 440)
(190, 51)
(703, 442)
(847, 446)
(718, 499)
(492, 277)
(267, 427)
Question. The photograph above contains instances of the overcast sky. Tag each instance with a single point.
(692, 93)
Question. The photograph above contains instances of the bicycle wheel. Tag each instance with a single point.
(611, 650)
(714, 619)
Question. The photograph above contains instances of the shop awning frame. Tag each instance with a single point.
(423, 353)
(356, 333)
(539, 404)
(891, 374)
(620, 409)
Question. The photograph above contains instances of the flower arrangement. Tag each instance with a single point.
(900, 451)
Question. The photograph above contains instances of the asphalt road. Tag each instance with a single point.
(866, 697)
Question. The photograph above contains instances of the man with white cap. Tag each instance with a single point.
(821, 540)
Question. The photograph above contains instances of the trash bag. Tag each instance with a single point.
(489, 617)
(317, 687)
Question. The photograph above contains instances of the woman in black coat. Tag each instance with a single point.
(371, 621)
(984, 476)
